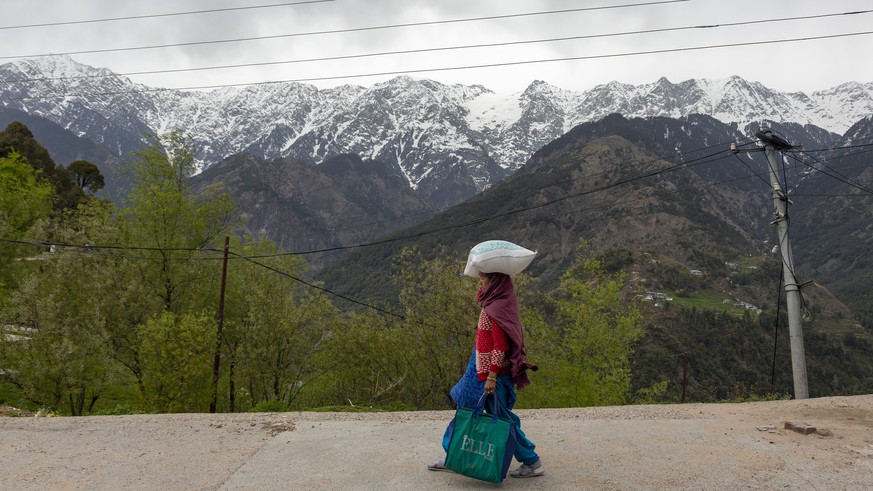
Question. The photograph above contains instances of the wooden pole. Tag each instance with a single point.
(216, 364)
(684, 374)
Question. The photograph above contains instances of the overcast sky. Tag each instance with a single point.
(791, 66)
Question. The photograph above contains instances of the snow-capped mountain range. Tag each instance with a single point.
(430, 132)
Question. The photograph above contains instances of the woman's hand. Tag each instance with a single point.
(490, 386)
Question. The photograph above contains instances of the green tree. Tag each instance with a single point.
(439, 328)
(585, 339)
(57, 357)
(128, 290)
(98, 314)
(275, 328)
(61, 313)
(413, 361)
(18, 138)
(25, 199)
(87, 175)
(172, 223)
(164, 213)
(176, 355)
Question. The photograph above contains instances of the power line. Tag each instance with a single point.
(284, 273)
(96, 247)
(691, 163)
(90, 250)
(838, 195)
(760, 176)
(95, 250)
(86, 247)
(805, 195)
(835, 175)
(694, 162)
(484, 65)
(167, 14)
(354, 29)
(312, 285)
(479, 198)
(848, 180)
(426, 50)
(504, 214)
(699, 161)
(831, 149)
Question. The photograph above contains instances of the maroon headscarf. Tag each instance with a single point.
(500, 304)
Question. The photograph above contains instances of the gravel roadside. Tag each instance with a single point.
(690, 446)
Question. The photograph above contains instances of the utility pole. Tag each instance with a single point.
(684, 374)
(216, 364)
(772, 143)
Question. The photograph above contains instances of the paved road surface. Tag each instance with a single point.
(692, 446)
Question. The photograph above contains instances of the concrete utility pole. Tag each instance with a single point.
(772, 143)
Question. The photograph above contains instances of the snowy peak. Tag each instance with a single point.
(56, 67)
(435, 134)
(847, 103)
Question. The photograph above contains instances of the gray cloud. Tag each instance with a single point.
(804, 66)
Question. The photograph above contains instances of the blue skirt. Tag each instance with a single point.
(466, 394)
(469, 389)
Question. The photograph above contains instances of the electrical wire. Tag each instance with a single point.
(612, 204)
(97, 247)
(95, 250)
(799, 286)
(481, 198)
(354, 29)
(90, 249)
(416, 51)
(475, 200)
(805, 195)
(153, 258)
(167, 14)
(761, 176)
(235, 255)
(320, 288)
(841, 156)
(834, 175)
(691, 163)
(831, 149)
(476, 66)
(783, 238)
(842, 178)
(479, 221)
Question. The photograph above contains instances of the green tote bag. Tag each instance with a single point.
(481, 445)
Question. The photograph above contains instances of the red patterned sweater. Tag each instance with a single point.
(491, 347)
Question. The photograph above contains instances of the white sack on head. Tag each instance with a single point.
(497, 256)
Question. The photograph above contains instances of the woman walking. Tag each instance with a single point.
(498, 366)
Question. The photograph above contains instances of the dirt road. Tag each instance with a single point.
(692, 446)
